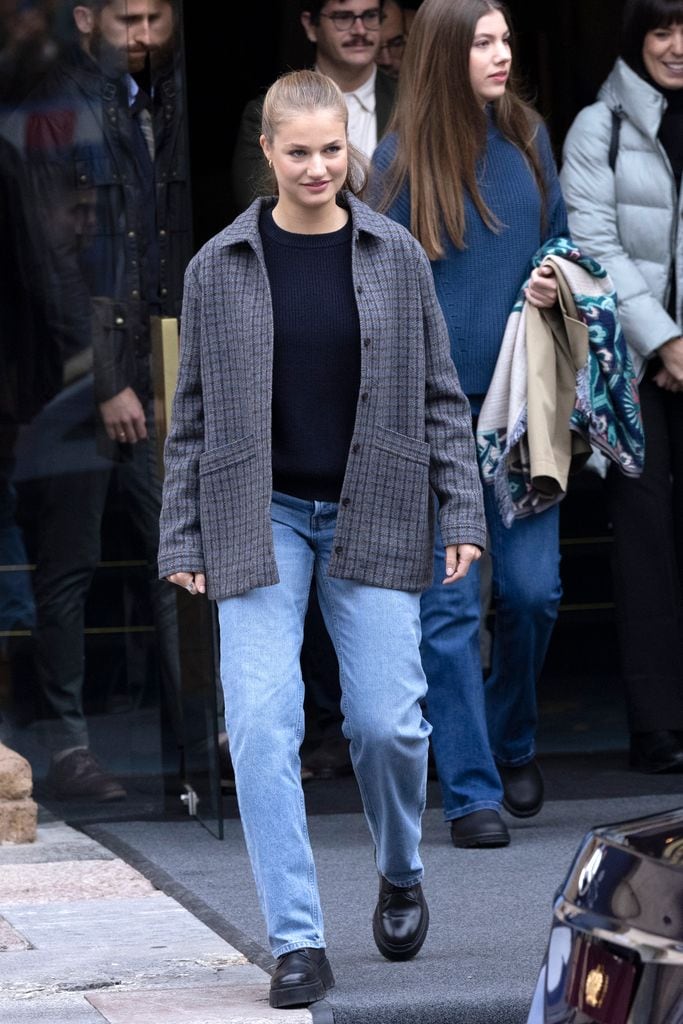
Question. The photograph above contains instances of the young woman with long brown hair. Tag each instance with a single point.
(468, 167)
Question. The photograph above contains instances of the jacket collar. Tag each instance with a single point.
(625, 91)
(245, 227)
(91, 79)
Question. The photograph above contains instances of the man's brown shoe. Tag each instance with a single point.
(78, 775)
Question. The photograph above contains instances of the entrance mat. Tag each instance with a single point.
(490, 910)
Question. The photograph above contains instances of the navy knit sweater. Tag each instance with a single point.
(316, 358)
(477, 286)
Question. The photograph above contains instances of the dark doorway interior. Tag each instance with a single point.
(565, 51)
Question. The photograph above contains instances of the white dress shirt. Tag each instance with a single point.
(362, 118)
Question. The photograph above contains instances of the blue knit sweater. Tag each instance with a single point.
(477, 286)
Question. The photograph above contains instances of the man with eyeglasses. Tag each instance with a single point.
(392, 36)
(346, 36)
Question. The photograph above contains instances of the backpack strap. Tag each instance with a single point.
(614, 139)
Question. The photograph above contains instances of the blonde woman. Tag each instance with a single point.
(317, 411)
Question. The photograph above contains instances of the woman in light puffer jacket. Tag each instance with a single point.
(621, 178)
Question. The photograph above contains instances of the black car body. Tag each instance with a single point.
(615, 951)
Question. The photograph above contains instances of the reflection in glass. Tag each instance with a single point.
(96, 201)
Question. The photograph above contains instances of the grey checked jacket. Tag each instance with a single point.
(412, 437)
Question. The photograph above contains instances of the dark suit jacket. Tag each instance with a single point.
(248, 163)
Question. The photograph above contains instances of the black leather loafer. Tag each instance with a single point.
(479, 830)
(301, 977)
(522, 789)
(657, 752)
(400, 921)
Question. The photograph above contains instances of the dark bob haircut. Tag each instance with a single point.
(641, 17)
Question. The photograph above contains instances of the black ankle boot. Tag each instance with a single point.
(522, 789)
(301, 977)
(400, 921)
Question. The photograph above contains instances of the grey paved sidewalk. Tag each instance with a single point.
(84, 938)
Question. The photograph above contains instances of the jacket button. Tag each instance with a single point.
(367, 342)
(359, 289)
(364, 396)
(346, 502)
(119, 321)
(355, 448)
(338, 550)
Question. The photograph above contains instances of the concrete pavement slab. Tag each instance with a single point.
(246, 1004)
(59, 1008)
(98, 944)
(85, 938)
(54, 841)
(11, 939)
(38, 883)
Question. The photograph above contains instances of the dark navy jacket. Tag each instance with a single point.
(97, 201)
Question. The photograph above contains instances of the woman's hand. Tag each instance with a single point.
(664, 380)
(542, 288)
(671, 354)
(192, 582)
(459, 558)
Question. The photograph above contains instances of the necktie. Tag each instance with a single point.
(141, 110)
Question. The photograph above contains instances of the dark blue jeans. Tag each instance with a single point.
(476, 723)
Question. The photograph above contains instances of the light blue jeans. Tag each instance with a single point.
(478, 724)
(376, 634)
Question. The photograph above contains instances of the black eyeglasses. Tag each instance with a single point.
(394, 45)
(344, 20)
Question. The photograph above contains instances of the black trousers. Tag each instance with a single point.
(647, 518)
(67, 512)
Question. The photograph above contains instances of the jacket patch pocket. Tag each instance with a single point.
(101, 212)
(228, 503)
(95, 171)
(397, 493)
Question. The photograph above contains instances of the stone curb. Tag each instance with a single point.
(86, 939)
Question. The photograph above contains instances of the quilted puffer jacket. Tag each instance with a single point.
(629, 218)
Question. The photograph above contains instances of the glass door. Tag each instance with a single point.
(107, 675)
